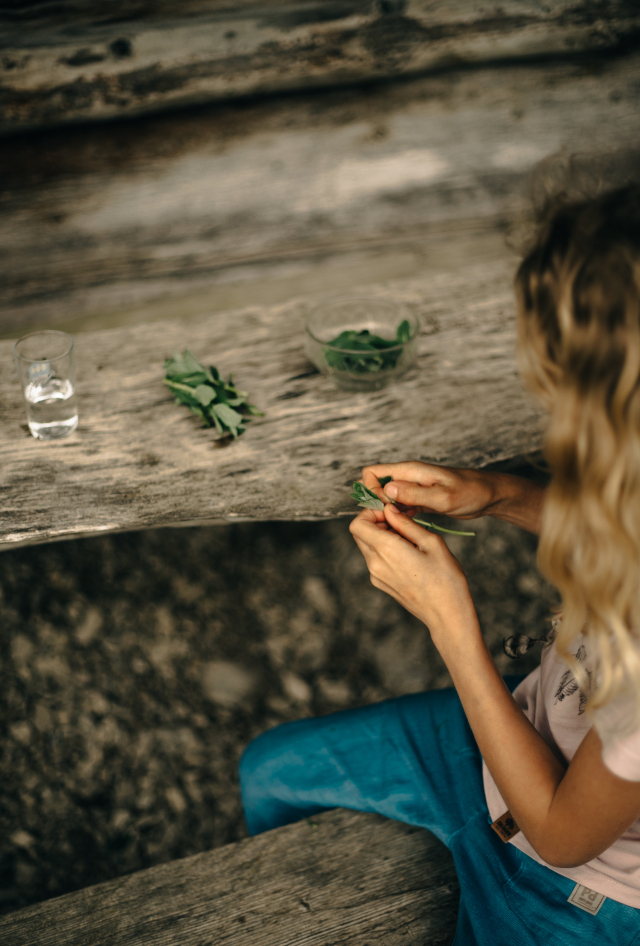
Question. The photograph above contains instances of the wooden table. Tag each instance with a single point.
(139, 461)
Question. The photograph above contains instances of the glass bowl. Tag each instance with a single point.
(361, 343)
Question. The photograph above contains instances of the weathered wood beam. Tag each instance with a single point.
(105, 217)
(69, 61)
(139, 461)
(341, 877)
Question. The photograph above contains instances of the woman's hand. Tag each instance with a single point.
(417, 569)
(463, 494)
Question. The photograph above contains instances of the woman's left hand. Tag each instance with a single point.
(416, 568)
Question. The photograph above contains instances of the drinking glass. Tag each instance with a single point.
(46, 365)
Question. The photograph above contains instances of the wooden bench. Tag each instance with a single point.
(342, 878)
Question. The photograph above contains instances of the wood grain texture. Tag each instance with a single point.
(69, 61)
(342, 879)
(138, 460)
(104, 217)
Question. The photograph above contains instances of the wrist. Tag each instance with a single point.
(518, 501)
(456, 634)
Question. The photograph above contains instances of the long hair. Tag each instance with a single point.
(578, 294)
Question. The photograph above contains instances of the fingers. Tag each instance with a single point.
(366, 529)
(407, 510)
(371, 538)
(368, 515)
(422, 539)
(420, 485)
(430, 498)
(367, 524)
(371, 554)
(412, 471)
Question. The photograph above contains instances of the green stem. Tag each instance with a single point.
(432, 525)
(180, 387)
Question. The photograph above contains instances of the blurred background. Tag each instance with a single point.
(160, 160)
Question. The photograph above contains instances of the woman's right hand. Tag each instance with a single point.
(423, 487)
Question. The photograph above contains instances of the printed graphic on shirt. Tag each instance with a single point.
(566, 688)
(568, 685)
(586, 899)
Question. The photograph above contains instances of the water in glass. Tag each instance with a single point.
(52, 408)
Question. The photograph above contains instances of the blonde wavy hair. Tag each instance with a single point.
(578, 293)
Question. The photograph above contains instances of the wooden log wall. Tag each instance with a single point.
(71, 60)
(135, 213)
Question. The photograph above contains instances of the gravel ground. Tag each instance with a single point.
(135, 668)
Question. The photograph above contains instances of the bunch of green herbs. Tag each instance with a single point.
(362, 352)
(218, 403)
(368, 500)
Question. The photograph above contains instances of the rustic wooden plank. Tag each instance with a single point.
(64, 61)
(137, 460)
(342, 878)
(101, 218)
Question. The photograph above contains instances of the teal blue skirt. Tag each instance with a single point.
(415, 759)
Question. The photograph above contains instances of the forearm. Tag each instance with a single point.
(524, 768)
(518, 501)
(569, 814)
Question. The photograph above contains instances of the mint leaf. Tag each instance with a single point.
(404, 331)
(190, 362)
(227, 415)
(205, 393)
(362, 352)
(215, 401)
(365, 497)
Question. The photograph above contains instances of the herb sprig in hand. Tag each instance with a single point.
(218, 403)
(368, 500)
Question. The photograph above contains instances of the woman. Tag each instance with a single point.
(555, 766)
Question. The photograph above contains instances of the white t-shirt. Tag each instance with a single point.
(551, 700)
